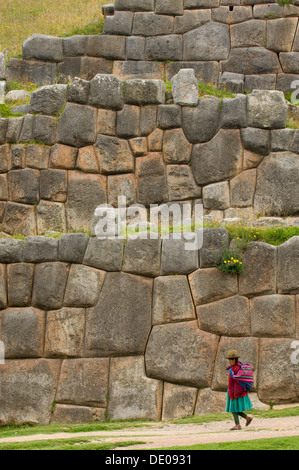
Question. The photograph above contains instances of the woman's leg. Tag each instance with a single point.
(236, 418)
(243, 415)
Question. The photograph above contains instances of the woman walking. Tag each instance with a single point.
(237, 400)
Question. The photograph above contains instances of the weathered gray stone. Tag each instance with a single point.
(207, 71)
(42, 47)
(181, 184)
(144, 92)
(234, 112)
(256, 140)
(3, 288)
(53, 185)
(150, 24)
(273, 316)
(107, 46)
(83, 286)
(219, 159)
(24, 186)
(282, 139)
(209, 402)
(106, 123)
(242, 189)
(74, 45)
(50, 216)
(11, 250)
(48, 100)
(216, 196)
(259, 276)
(37, 156)
(134, 5)
(210, 41)
(169, 116)
(77, 125)
(26, 134)
(19, 284)
(92, 387)
(148, 119)
(133, 69)
(191, 20)
(215, 240)
(104, 254)
(40, 249)
(2, 66)
(31, 71)
(120, 23)
(273, 375)
(178, 401)
(64, 335)
(78, 91)
(172, 300)
(249, 34)
(114, 155)
(284, 29)
(251, 60)
(182, 354)
(130, 388)
(49, 285)
(85, 193)
(228, 317)
(72, 247)
(289, 62)
(135, 48)
(19, 219)
(209, 285)
(169, 7)
(142, 256)
(185, 88)
(22, 331)
(176, 259)
(128, 122)
(18, 155)
(69, 414)
(84, 67)
(45, 129)
(126, 331)
(287, 268)
(200, 124)
(151, 179)
(106, 91)
(63, 157)
(277, 178)
(28, 390)
(267, 109)
(13, 129)
(3, 188)
(122, 185)
(164, 47)
(260, 82)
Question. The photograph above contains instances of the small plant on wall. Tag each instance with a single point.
(231, 262)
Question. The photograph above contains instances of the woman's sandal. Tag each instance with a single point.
(236, 428)
(248, 419)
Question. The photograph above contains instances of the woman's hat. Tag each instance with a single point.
(232, 354)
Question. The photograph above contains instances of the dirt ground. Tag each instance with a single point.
(159, 435)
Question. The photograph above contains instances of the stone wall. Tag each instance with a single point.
(91, 331)
(88, 143)
(254, 42)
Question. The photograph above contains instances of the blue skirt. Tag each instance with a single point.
(238, 404)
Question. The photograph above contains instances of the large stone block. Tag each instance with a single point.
(172, 300)
(122, 185)
(210, 41)
(215, 240)
(191, 20)
(185, 88)
(49, 285)
(144, 92)
(19, 284)
(256, 140)
(181, 184)
(207, 71)
(267, 109)
(72, 247)
(242, 189)
(128, 122)
(234, 112)
(201, 123)
(69, 414)
(24, 186)
(273, 375)
(273, 316)
(150, 24)
(259, 276)
(50, 216)
(142, 256)
(120, 23)
(22, 332)
(11, 250)
(176, 258)
(53, 185)
(219, 159)
(107, 46)
(277, 179)
(164, 48)
(77, 125)
(106, 91)
(114, 155)
(63, 157)
(169, 7)
(248, 351)
(83, 286)
(64, 335)
(151, 179)
(249, 34)
(284, 29)
(3, 288)
(83, 382)
(28, 389)
(45, 129)
(19, 219)
(31, 71)
(178, 401)
(85, 193)
(42, 47)
(126, 331)
(229, 317)
(134, 5)
(180, 353)
(48, 100)
(130, 389)
(209, 285)
(39, 249)
(37, 156)
(209, 402)
(138, 68)
(216, 196)
(4, 158)
(251, 61)
(104, 254)
(288, 268)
